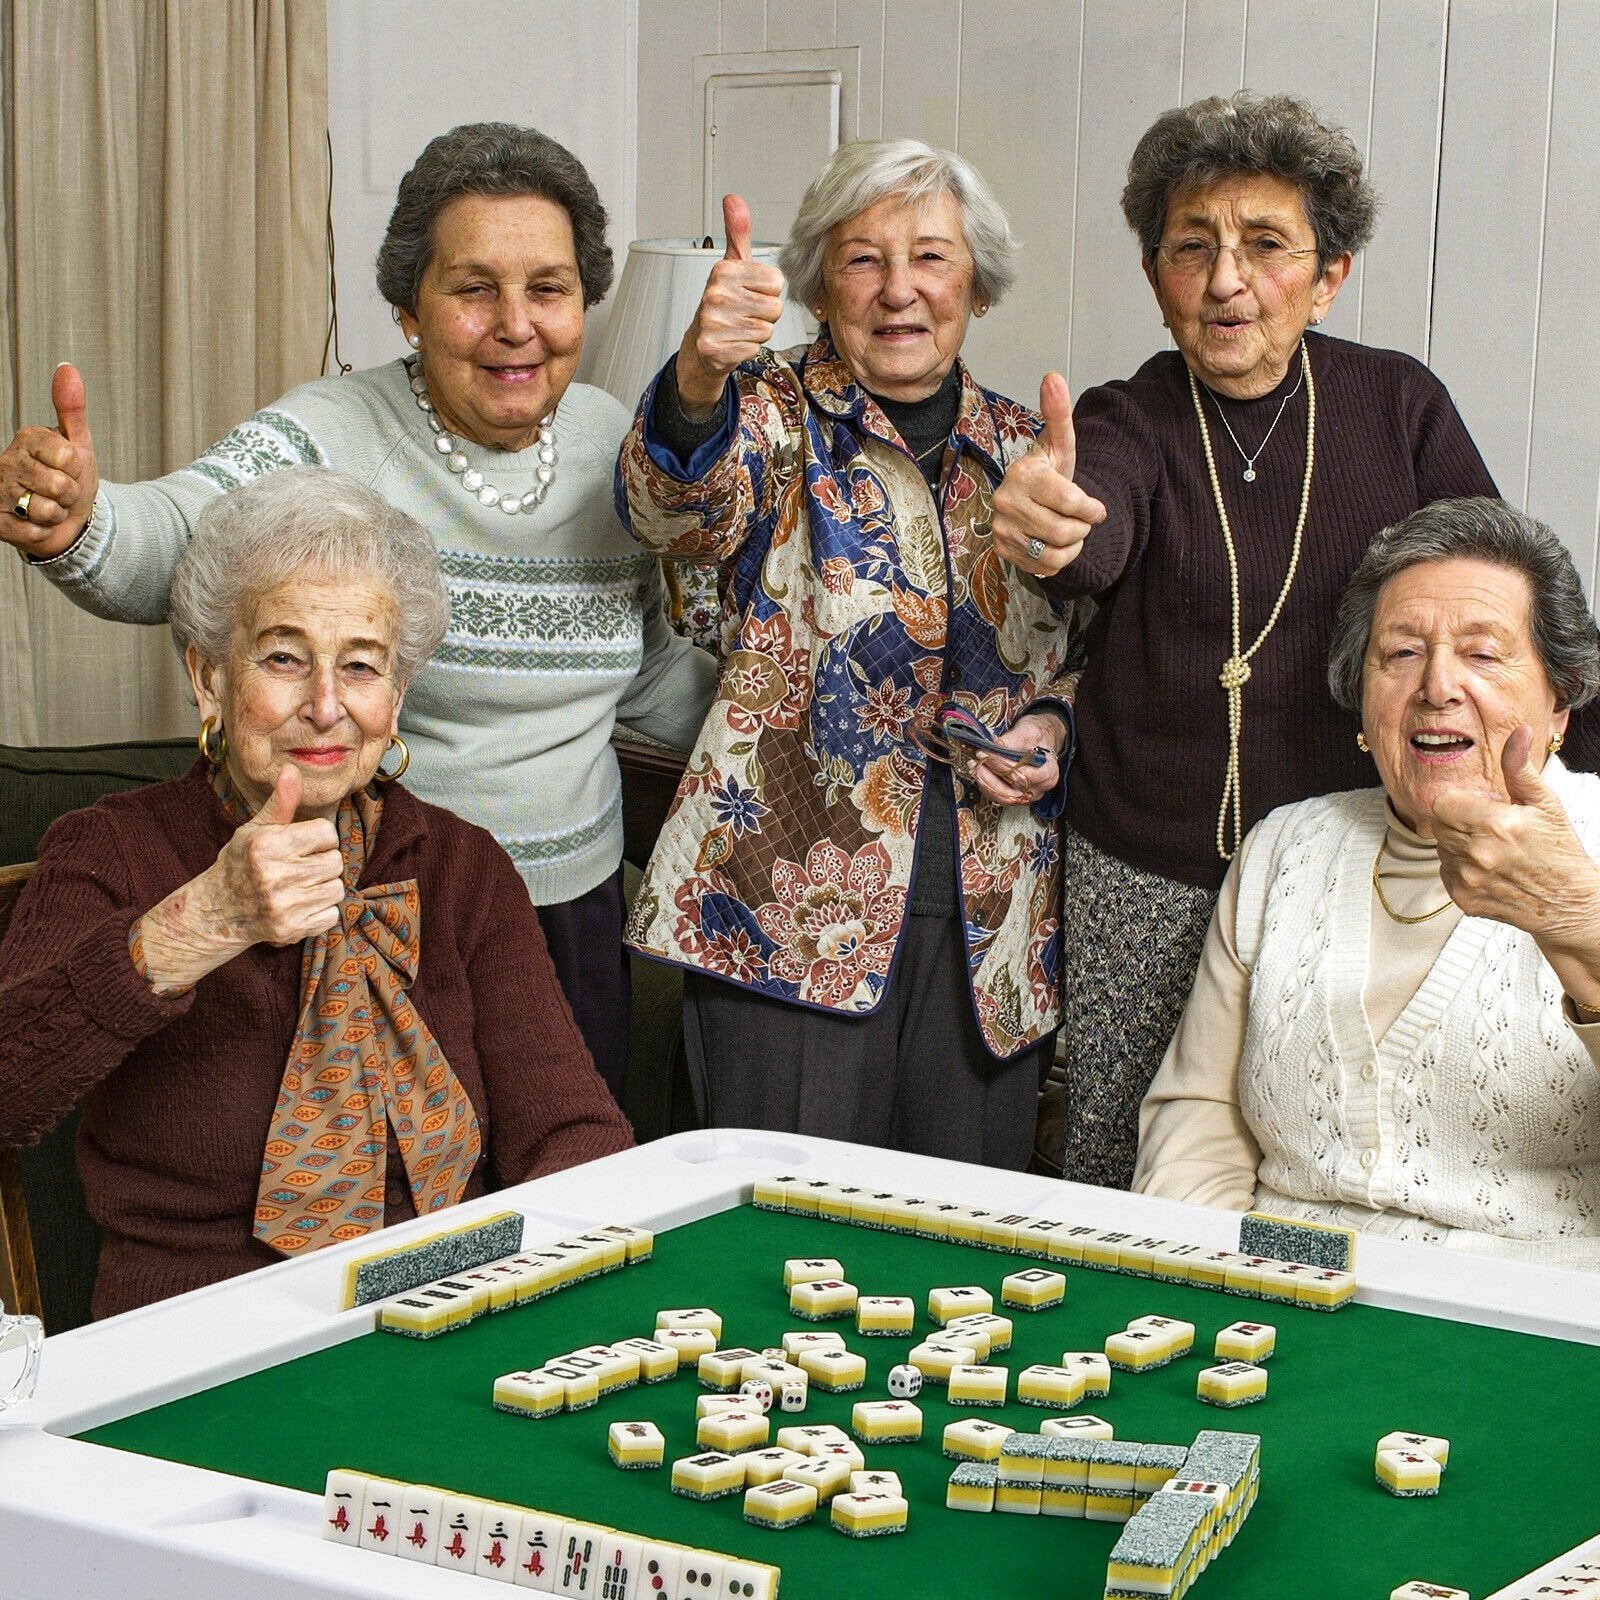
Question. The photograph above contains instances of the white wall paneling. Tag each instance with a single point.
(1131, 69)
(400, 73)
(1564, 452)
(1402, 153)
(1492, 199)
(1035, 178)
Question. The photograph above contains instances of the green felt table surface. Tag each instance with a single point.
(1517, 1491)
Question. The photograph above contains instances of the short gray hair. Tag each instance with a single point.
(1274, 135)
(490, 158)
(862, 173)
(305, 520)
(1559, 619)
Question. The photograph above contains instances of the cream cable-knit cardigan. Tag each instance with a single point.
(1422, 1082)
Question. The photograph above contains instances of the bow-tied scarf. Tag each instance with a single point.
(362, 1060)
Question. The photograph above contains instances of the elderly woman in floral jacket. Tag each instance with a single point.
(868, 907)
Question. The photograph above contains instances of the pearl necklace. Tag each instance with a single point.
(1235, 672)
(1250, 460)
(472, 480)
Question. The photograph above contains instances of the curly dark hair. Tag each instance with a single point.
(1272, 134)
(492, 158)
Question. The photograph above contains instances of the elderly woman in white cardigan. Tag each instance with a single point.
(1396, 1021)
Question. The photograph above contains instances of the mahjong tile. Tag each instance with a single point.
(538, 1551)
(418, 1525)
(748, 1580)
(499, 1538)
(380, 1515)
(659, 1565)
(460, 1517)
(619, 1564)
(577, 1569)
(342, 1500)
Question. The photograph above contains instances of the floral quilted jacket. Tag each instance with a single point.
(854, 605)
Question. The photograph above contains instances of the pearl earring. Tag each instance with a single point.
(415, 341)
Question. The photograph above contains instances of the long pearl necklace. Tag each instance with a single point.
(1250, 460)
(471, 478)
(1235, 672)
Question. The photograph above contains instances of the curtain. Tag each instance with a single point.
(164, 229)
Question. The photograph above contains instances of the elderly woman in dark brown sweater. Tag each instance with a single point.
(295, 1001)
(1214, 505)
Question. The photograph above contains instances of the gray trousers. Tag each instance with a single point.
(915, 1075)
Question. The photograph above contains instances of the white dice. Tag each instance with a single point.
(904, 1382)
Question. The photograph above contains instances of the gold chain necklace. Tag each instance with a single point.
(1235, 672)
(1394, 916)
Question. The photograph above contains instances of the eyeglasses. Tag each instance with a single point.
(954, 736)
(1264, 257)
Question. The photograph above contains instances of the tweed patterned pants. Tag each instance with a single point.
(1132, 947)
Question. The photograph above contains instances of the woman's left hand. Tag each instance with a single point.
(1018, 783)
(1519, 861)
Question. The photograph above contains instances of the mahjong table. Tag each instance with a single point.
(181, 1450)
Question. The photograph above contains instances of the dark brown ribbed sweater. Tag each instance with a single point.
(178, 1093)
(1152, 718)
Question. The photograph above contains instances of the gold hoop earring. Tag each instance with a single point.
(215, 754)
(1361, 743)
(395, 741)
(1557, 739)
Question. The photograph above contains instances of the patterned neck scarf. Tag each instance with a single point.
(362, 1060)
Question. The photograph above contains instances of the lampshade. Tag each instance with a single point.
(662, 281)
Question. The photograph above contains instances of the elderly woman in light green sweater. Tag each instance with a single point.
(494, 252)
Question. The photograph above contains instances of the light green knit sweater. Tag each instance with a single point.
(556, 628)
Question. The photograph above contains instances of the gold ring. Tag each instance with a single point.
(20, 509)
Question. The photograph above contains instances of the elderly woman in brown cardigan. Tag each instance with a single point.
(295, 1002)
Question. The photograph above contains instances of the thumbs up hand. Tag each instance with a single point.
(55, 469)
(276, 881)
(1041, 517)
(742, 303)
(1516, 858)
(283, 877)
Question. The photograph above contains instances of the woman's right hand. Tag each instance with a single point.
(1037, 506)
(56, 467)
(742, 303)
(276, 881)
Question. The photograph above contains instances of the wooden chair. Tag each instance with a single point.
(19, 1277)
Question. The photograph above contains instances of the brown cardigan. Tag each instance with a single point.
(178, 1093)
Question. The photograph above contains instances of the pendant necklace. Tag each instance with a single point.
(1251, 459)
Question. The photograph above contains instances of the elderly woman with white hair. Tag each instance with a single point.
(861, 868)
(296, 1002)
(1396, 1023)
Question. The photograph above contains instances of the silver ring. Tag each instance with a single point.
(1034, 549)
(20, 509)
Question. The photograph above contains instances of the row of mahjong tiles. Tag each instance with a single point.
(1279, 1259)
(1338, 1384)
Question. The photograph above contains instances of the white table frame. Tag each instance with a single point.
(79, 1521)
